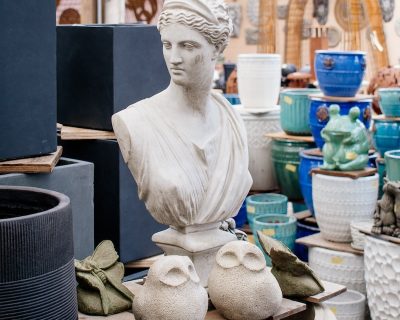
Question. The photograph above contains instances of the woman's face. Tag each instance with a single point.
(190, 58)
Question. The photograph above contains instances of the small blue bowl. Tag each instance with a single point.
(339, 73)
(389, 101)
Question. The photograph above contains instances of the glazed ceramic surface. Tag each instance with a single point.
(382, 276)
(295, 108)
(381, 166)
(349, 305)
(303, 230)
(338, 267)
(339, 73)
(389, 101)
(264, 203)
(259, 79)
(286, 161)
(392, 160)
(357, 237)
(386, 135)
(339, 200)
(319, 114)
(260, 147)
(277, 226)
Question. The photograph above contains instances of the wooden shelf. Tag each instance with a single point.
(284, 136)
(73, 133)
(383, 117)
(347, 174)
(302, 215)
(316, 240)
(367, 231)
(42, 164)
(331, 290)
(143, 263)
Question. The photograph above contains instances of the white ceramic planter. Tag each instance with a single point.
(259, 79)
(338, 267)
(382, 275)
(339, 200)
(260, 160)
(357, 237)
(349, 305)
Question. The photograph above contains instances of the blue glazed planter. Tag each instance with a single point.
(319, 114)
(232, 98)
(310, 161)
(339, 73)
(303, 230)
(241, 217)
(389, 101)
(265, 203)
(277, 226)
(295, 108)
(392, 160)
(386, 135)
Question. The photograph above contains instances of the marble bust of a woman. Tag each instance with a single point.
(186, 146)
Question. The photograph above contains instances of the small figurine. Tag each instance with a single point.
(172, 291)
(346, 141)
(387, 212)
(100, 288)
(240, 286)
(295, 277)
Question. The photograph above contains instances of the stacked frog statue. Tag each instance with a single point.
(346, 141)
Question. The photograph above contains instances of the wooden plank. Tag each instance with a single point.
(347, 174)
(302, 215)
(287, 308)
(143, 263)
(42, 164)
(341, 99)
(383, 117)
(311, 220)
(331, 290)
(120, 316)
(318, 153)
(73, 133)
(284, 136)
(367, 230)
(316, 240)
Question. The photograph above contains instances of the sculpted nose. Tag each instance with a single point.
(175, 57)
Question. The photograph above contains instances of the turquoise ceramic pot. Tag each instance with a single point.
(280, 227)
(295, 109)
(389, 101)
(380, 165)
(392, 160)
(386, 135)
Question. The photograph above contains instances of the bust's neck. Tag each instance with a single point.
(190, 99)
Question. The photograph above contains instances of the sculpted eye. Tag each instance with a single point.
(166, 45)
(189, 45)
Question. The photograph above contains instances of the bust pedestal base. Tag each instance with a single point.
(199, 242)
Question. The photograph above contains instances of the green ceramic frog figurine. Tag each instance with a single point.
(346, 141)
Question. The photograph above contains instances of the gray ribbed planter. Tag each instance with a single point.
(37, 278)
(74, 178)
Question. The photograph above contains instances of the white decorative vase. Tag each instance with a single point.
(338, 267)
(382, 275)
(349, 305)
(259, 79)
(339, 200)
(260, 159)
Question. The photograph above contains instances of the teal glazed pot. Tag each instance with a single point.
(277, 226)
(339, 73)
(389, 101)
(286, 161)
(386, 135)
(392, 161)
(295, 109)
(380, 165)
(264, 203)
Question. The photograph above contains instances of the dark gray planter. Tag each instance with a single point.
(101, 69)
(27, 78)
(119, 215)
(37, 276)
(73, 178)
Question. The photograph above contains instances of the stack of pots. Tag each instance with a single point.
(259, 77)
(337, 199)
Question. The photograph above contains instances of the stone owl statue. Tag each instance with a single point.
(240, 286)
(172, 291)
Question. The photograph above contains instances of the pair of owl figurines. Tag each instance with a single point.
(240, 287)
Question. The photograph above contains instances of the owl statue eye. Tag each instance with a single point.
(254, 261)
(228, 260)
(174, 277)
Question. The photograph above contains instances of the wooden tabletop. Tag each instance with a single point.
(284, 136)
(347, 174)
(74, 133)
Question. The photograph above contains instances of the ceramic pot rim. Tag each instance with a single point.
(387, 119)
(337, 52)
(276, 198)
(290, 219)
(394, 89)
(346, 179)
(259, 56)
(301, 225)
(300, 91)
(361, 298)
(333, 252)
(308, 156)
(63, 201)
(323, 99)
(394, 154)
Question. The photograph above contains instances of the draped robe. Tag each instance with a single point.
(183, 183)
